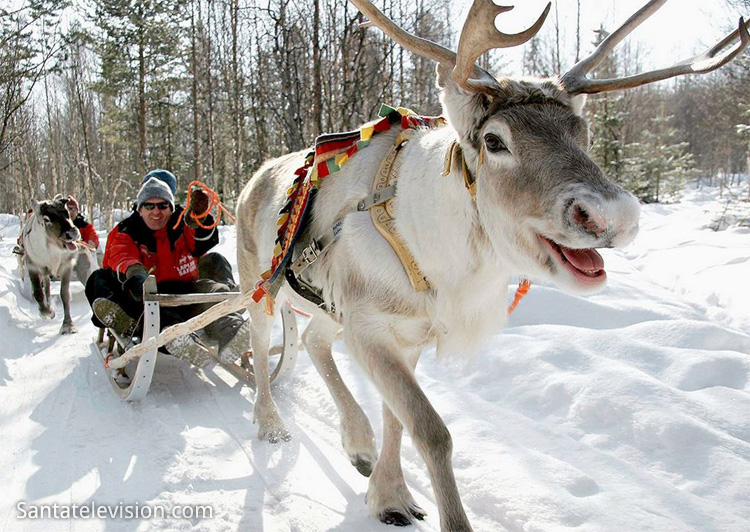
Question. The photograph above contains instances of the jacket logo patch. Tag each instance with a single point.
(186, 265)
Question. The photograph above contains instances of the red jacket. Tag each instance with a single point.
(170, 254)
(88, 233)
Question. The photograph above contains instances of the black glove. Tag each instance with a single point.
(199, 204)
(133, 285)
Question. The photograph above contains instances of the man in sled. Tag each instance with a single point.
(147, 242)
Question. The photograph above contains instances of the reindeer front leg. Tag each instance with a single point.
(40, 291)
(387, 496)
(357, 436)
(67, 325)
(380, 356)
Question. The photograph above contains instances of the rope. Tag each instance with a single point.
(86, 245)
(214, 201)
(523, 288)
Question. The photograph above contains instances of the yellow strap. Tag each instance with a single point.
(455, 155)
(382, 214)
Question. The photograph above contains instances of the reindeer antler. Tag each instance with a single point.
(477, 36)
(577, 82)
(480, 35)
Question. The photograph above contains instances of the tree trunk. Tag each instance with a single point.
(194, 92)
(210, 90)
(317, 79)
(237, 105)
(87, 175)
(142, 91)
(52, 151)
(578, 31)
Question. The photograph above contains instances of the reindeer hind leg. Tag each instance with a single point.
(265, 412)
(68, 327)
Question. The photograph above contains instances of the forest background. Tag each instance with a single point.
(95, 93)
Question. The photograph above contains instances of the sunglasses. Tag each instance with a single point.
(162, 206)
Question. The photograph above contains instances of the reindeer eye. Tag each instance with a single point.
(46, 219)
(494, 143)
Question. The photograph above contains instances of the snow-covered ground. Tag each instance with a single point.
(624, 411)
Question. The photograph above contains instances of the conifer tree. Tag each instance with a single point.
(138, 42)
(658, 165)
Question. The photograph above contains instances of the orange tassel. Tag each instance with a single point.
(523, 288)
(262, 290)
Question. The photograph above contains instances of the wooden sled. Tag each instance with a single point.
(130, 367)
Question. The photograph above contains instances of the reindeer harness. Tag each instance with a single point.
(329, 155)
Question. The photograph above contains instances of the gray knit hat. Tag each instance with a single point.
(154, 188)
(163, 175)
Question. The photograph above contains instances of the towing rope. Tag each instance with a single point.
(214, 201)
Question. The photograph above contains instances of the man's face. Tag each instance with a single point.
(73, 210)
(155, 212)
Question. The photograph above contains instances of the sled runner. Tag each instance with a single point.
(130, 364)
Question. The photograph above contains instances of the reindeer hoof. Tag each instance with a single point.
(363, 465)
(394, 517)
(68, 328)
(417, 512)
(275, 436)
(47, 314)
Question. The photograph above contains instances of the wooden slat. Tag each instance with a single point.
(176, 300)
(237, 303)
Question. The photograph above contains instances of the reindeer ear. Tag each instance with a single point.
(36, 207)
(463, 109)
(577, 103)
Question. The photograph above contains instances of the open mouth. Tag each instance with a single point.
(70, 245)
(586, 265)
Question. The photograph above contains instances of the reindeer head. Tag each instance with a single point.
(55, 218)
(542, 201)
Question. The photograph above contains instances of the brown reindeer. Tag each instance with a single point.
(506, 188)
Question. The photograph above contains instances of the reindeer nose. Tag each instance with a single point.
(614, 222)
(586, 218)
(71, 234)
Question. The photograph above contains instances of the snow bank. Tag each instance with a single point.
(624, 411)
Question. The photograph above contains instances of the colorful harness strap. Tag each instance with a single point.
(331, 152)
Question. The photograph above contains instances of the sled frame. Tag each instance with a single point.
(140, 359)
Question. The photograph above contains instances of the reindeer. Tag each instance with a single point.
(521, 196)
(49, 242)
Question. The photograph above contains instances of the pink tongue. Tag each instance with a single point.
(584, 259)
(70, 245)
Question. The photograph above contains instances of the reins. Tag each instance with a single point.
(214, 201)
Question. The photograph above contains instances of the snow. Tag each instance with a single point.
(623, 411)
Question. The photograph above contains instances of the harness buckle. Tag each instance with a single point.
(310, 254)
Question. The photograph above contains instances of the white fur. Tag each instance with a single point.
(468, 251)
(45, 254)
